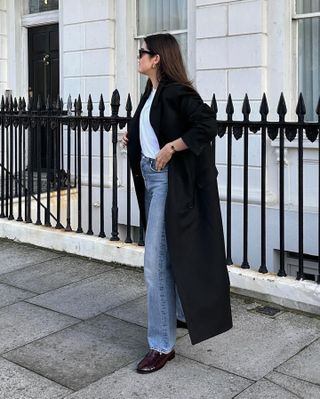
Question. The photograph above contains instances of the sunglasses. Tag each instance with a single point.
(144, 51)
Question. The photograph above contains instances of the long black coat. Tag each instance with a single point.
(193, 218)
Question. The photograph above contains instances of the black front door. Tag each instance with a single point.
(43, 44)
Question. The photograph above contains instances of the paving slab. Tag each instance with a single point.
(136, 312)
(19, 256)
(264, 389)
(5, 244)
(304, 389)
(9, 295)
(54, 273)
(80, 355)
(94, 295)
(305, 364)
(180, 378)
(256, 344)
(18, 383)
(22, 322)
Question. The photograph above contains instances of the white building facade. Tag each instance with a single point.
(230, 46)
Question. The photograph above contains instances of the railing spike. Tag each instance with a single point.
(230, 107)
(61, 104)
(89, 105)
(282, 107)
(115, 98)
(214, 105)
(57, 103)
(246, 109)
(15, 104)
(69, 105)
(101, 104)
(129, 104)
(115, 102)
(2, 104)
(79, 105)
(39, 103)
(20, 104)
(24, 105)
(10, 103)
(7, 104)
(264, 107)
(301, 108)
(48, 103)
(30, 103)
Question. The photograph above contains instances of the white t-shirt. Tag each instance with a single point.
(148, 139)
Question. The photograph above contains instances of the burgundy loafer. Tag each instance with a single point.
(154, 361)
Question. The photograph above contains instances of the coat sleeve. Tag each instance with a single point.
(202, 126)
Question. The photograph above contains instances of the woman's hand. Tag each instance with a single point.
(164, 156)
(124, 140)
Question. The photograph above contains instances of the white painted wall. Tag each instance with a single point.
(3, 46)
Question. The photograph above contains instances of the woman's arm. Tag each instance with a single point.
(166, 152)
(201, 122)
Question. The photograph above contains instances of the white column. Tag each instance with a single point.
(88, 65)
(3, 47)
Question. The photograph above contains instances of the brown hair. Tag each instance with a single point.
(171, 66)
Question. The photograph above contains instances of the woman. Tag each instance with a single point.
(171, 157)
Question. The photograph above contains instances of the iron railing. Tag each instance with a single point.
(23, 169)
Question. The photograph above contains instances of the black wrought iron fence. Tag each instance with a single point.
(41, 152)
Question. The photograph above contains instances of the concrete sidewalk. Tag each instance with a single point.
(74, 328)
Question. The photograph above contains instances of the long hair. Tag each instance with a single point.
(171, 65)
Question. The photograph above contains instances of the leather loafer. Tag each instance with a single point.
(154, 361)
(182, 324)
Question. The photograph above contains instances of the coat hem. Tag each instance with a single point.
(197, 340)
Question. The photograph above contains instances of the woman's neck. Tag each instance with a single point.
(154, 81)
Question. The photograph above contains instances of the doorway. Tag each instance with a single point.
(43, 52)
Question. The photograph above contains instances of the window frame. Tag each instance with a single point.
(296, 17)
(189, 31)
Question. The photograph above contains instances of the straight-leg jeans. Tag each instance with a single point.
(164, 304)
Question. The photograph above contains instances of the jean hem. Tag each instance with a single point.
(161, 351)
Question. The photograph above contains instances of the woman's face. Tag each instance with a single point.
(146, 61)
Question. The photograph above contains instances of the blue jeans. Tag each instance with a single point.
(164, 305)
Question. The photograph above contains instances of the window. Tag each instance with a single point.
(42, 5)
(308, 16)
(158, 16)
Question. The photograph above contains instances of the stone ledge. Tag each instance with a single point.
(285, 291)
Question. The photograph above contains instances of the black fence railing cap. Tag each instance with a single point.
(48, 103)
(89, 106)
(78, 107)
(30, 101)
(101, 106)
(69, 106)
(20, 106)
(39, 103)
(282, 108)
(301, 108)
(115, 103)
(229, 108)
(129, 106)
(2, 106)
(246, 109)
(264, 107)
(15, 105)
